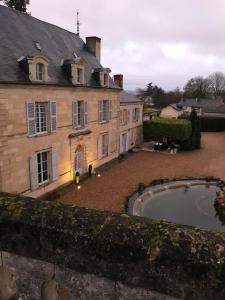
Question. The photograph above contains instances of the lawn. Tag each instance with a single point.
(109, 191)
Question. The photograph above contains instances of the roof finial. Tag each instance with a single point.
(78, 24)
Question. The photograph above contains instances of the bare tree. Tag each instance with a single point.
(196, 88)
(216, 84)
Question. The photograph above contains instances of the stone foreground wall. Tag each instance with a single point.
(109, 255)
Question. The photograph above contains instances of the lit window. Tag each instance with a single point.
(40, 72)
(43, 167)
(41, 112)
(79, 75)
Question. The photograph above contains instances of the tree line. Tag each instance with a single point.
(211, 87)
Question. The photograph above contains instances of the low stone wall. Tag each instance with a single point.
(132, 253)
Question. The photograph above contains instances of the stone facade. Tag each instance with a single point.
(130, 128)
(16, 147)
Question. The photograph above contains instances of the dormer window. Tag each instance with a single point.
(40, 72)
(74, 68)
(38, 68)
(102, 76)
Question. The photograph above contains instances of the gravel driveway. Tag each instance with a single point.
(109, 191)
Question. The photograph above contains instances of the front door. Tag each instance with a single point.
(78, 163)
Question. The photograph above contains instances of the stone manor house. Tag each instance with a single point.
(60, 111)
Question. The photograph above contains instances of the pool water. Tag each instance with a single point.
(190, 206)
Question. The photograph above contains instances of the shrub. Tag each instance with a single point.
(212, 124)
(159, 128)
(194, 141)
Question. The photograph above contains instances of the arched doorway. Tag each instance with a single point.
(79, 160)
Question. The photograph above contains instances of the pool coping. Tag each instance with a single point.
(136, 200)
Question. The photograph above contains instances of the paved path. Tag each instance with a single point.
(109, 191)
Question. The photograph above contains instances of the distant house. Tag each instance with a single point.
(204, 107)
(171, 111)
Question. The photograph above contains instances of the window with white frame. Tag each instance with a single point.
(104, 145)
(136, 114)
(105, 111)
(41, 117)
(41, 112)
(43, 167)
(40, 72)
(79, 114)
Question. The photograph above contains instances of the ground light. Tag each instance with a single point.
(98, 175)
(78, 187)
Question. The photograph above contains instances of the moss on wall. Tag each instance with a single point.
(176, 260)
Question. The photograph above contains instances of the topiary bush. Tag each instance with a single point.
(174, 129)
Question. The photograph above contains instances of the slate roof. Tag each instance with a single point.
(18, 34)
(176, 107)
(129, 98)
(200, 103)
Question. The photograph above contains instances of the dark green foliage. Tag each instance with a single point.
(160, 128)
(212, 124)
(20, 5)
(194, 142)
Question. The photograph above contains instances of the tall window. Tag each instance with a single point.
(136, 114)
(105, 111)
(79, 75)
(43, 166)
(41, 112)
(79, 113)
(40, 72)
(105, 144)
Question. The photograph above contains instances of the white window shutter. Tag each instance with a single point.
(130, 112)
(53, 113)
(31, 123)
(100, 146)
(110, 144)
(55, 164)
(33, 172)
(127, 142)
(75, 114)
(134, 115)
(121, 146)
(100, 111)
(110, 110)
(85, 113)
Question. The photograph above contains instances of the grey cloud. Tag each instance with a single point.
(164, 41)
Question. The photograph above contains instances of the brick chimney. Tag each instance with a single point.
(93, 44)
(118, 79)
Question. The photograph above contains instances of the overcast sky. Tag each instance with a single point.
(161, 41)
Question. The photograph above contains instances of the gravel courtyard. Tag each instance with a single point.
(109, 191)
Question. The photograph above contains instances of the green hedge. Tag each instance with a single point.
(158, 128)
(212, 124)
